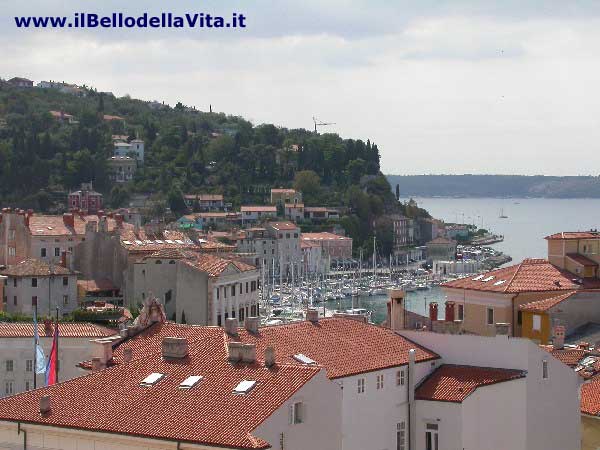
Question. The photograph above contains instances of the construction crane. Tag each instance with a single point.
(318, 123)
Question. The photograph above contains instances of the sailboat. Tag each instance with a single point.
(502, 215)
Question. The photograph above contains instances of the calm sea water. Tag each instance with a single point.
(528, 222)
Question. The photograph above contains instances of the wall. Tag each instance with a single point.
(322, 426)
(191, 295)
(449, 419)
(577, 310)
(541, 336)
(47, 288)
(590, 433)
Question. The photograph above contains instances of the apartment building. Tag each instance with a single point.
(253, 214)
(332, 245)
(17, 356)
(85, 199)
(204, 202)
(122, 168)
(52, 287)
(283, 196)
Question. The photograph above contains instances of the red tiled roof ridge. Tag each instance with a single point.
(546, 303)
(67, 330)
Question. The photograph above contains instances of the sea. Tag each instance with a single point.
(528, 221)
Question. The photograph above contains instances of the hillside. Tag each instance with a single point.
(187, 151)
(496, 186)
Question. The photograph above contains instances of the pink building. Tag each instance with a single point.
(332, 245)
(85, 199)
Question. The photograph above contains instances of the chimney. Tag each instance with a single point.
(312, 315)
(251, 324)
(248, 353)
(103, 350)
(558, 340)
(119, 220)
(44, 404)
(96, 364)
(269, 357)
(231, 326)
(69, 220)
(174, 348)
(127, 354)
(502, 329)
(433, 311)
(449, 316)
(396, 310)
(234, 351)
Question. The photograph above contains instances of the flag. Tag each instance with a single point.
(52, 359)
(40, 360)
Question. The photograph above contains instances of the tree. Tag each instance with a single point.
(398, 192)
(176, 202)
(309, 183)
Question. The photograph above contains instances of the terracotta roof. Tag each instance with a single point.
(583, 260)
(55, 226)
(209, 413)
(323, 237)
(259, 209)
(283, 191)
(142, 241)
(173, 253)
(35, 268)
(60, 114)
(214, 266)
(359, 347)
(532, 275)
(545, 304)
(204, 197)
(568, 356)
(590, 398)
(452, 383)
(66, 330)
(281, 226)
(294, 205)
(441, 240)
(574, 235)
(109, 117)
(102, 284)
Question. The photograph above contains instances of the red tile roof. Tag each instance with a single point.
(568, 356)
(113, 401)
(574, 235)
(359, 347)
(215, 266)
(102, 284)
(35, 268)
(545, 304)
(590, 398)
(282, 226)
(532, 275)
(583, 260)
(323, 237)
(66, 330)
(40, 225)
(142, 241)
(452, 383)
(283, 191)
(258, 209)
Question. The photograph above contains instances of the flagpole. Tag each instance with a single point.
(35, 345)
(56, 361)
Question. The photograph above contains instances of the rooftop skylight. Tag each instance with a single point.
(244, 387)
(304, 359)
(478, 277)
(487, 279)
(191, 381)
(498, 283)
(152, 379)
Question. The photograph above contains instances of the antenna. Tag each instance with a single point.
(319, 123)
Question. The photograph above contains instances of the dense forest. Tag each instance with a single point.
(187, 151)
(496, 186)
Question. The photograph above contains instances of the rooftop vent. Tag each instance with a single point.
(234, 351)
(152, 379)
(248, 353)
(251, 324)
(312, 315)
(231, 326)
(191, 381)
(244, 387)
(304, 359)
(45, 404)
(174, 347)
(269, 357)
(127, 354)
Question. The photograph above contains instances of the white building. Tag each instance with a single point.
(17, 357)
(258, 213)
(32, 282)
(126, 148)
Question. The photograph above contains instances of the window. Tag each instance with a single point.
(34, 300)
(29, 365)
(545, 370)
(218, 293)
(65, 281)
(43, 252)
(14, 282)
(401, 436)
(520, 318)
(246, 287)
(14, 300)
(490, 316)
(361, 385)
(431, 436)
(56, 251)
(537, 322)
(12, 251)
(297, 413)
(233, 290)
(11, 235)
(400, 378)
(65, 300)
(10, 365)
(27, 385)
(224, 291)
(158, 261)
(34, 282)
(461, 312)
(8, 387)
(380, 381)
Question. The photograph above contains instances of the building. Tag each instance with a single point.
(134, 148)
(332, 245)
(275, 249)
(218, 398)
(24, 234)
(122, 168)
(85, 199)
(258, 213)
(17, 357)
(294, 211)
(33, 282)
(197, 288)
(62, 116)
(283, 196)
(312, 255)
(590, 415)
(19, 82)
(495, 296)
(320, 213)
(576, 252)
(204, 202)
(462, 266)
(403, 232)
(441, 249)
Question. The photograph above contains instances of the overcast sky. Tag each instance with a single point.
(442, 86)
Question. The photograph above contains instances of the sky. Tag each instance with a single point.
(441, 86)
